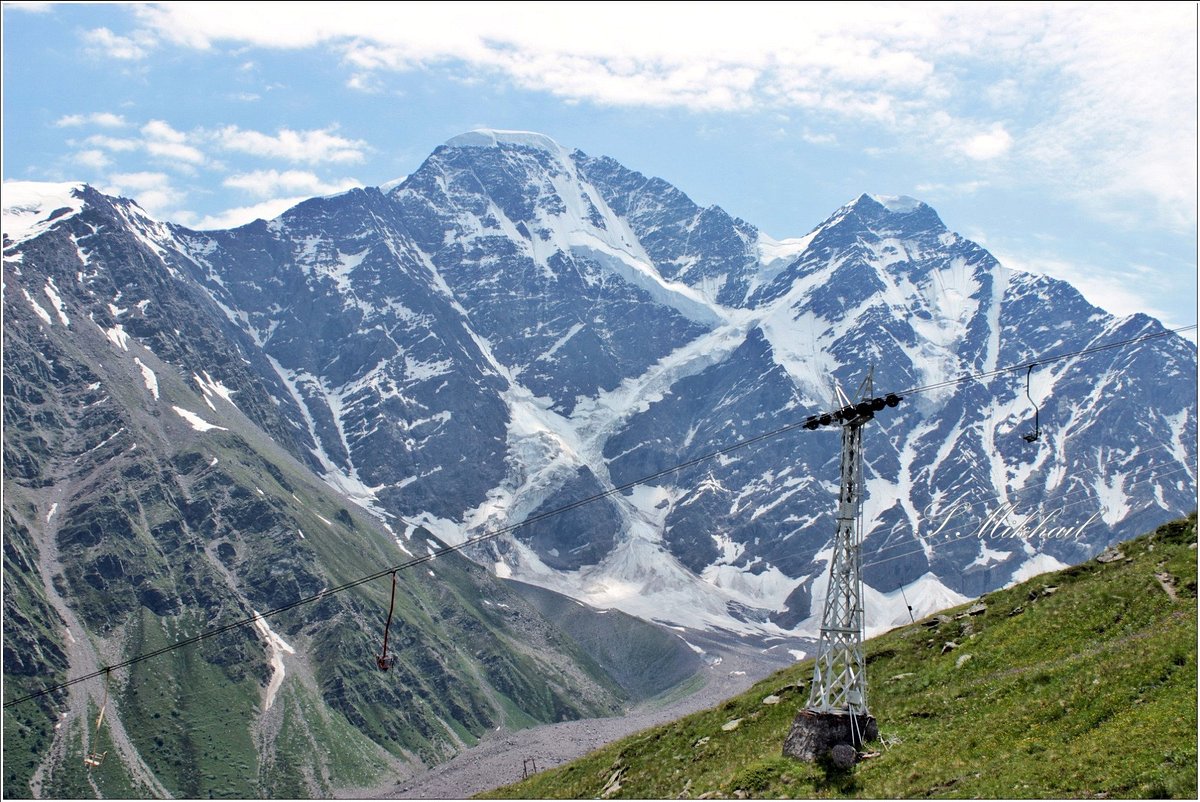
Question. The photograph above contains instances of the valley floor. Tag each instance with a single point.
(498, 760)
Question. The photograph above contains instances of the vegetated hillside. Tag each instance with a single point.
(1080, 683)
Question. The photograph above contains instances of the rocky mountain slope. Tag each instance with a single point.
(573, 326)
(148, 501)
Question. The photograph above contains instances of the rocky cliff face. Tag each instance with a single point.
(192, 418)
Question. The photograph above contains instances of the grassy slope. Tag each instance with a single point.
(1082, 691)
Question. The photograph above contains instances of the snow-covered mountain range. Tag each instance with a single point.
(516, 327)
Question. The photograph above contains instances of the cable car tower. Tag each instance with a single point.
(837, 712)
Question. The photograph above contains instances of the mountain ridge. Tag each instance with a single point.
(510, 331)
(953, 311)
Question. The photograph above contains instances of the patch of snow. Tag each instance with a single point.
(388, 186)
(53, 509)
(766, 590)
(148, 377)
(37, 308)
(552, 350)
(1035, 565)
(211, 387)
(52, 293)
(117, 336)
(988, 556)
(197, 423)
(1110, 491)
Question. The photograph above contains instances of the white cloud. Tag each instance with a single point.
(818, 139)
(232, 218)
(165, 142)
(95, 159)
(1098, 101)
(364, 82)
(309, 147)
(125, 48)
(103, 119)
(173, 151)
(152, 191)
(143, 180)
(268, 183)
(960, 188)
(163, 132)
(113, 143)
(990, 145)
(159, 139)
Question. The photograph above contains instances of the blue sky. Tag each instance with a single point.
(1062, 137)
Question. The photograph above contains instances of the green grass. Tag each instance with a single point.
(1087, 690)
(190, 719)
(316, 751)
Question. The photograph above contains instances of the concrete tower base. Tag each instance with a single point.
(814, 735)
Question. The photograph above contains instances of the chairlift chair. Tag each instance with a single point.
(1030, 437)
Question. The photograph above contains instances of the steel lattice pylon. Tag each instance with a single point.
(839, 682)
(836, 718)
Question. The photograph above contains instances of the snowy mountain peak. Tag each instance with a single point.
(491, 138)
(886, 214)
(30, 207)
(902, 204)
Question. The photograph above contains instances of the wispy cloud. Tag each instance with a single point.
(103, 119)
(960, 188)
(102, 41)
(1099, 102)
(988, 145)
(270, 183)
(186, 152)
(165, 142)
(115, 144)
(94, 159)
(153, 191)
(308, 147)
